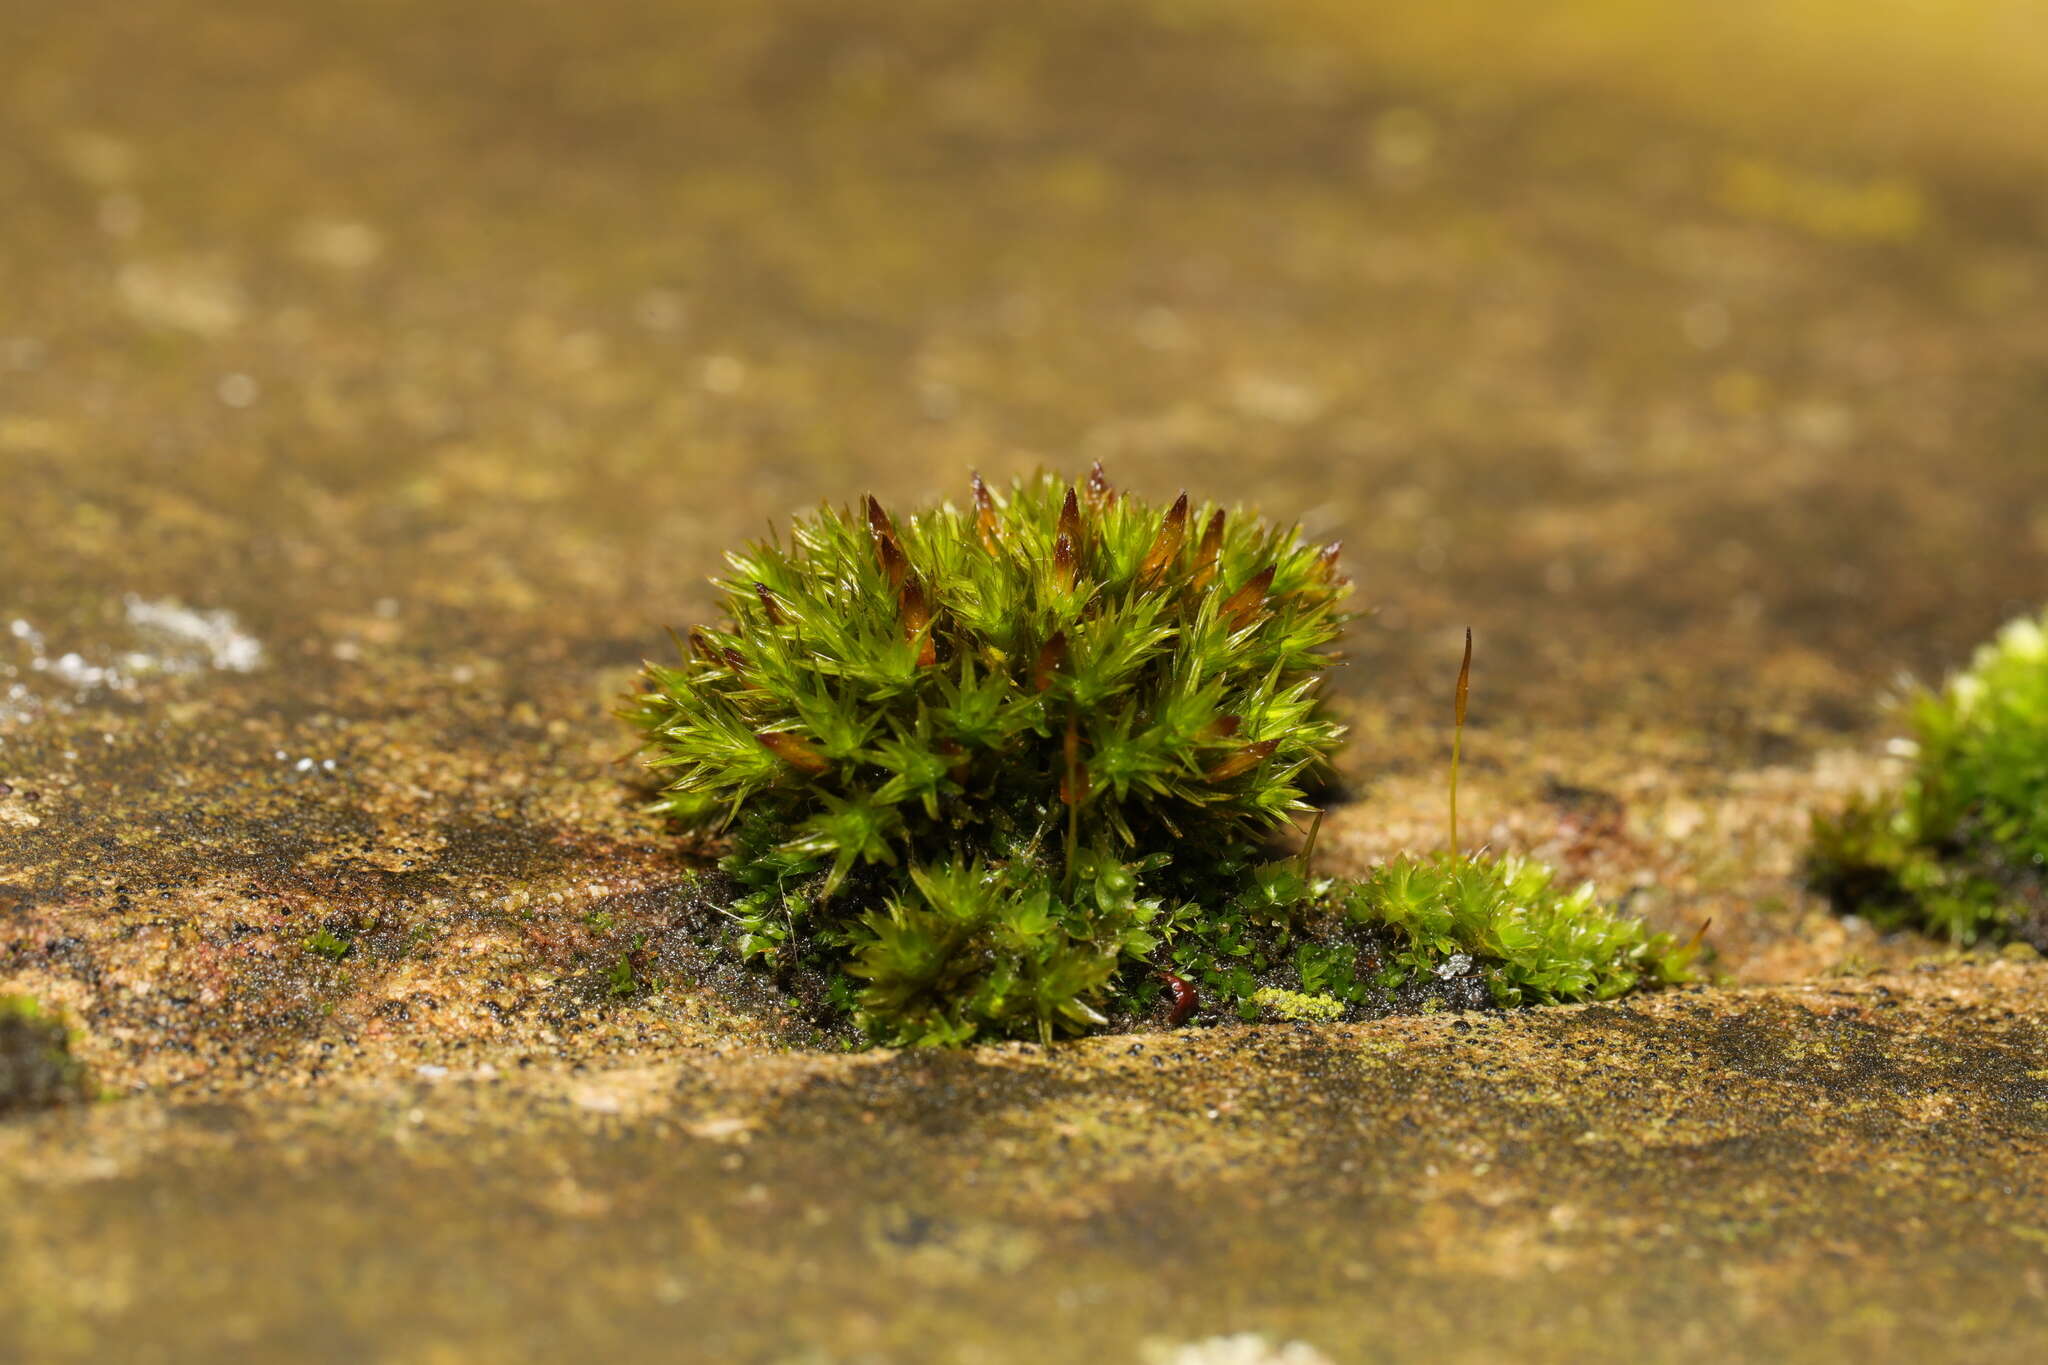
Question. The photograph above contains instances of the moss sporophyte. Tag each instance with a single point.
(1960, 848)
(1013, 768)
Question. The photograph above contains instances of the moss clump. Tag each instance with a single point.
(990, 770)
(36, 1066)
(1961, 848)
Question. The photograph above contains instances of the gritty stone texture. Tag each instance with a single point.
(378, 379)
(1799, 1174)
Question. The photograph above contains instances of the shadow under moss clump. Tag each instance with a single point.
(1961, 848)
(36, 1065)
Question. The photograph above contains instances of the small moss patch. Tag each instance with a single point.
(36, 1066)
(1417, 933)
(1961, 848)
(1274, 1003)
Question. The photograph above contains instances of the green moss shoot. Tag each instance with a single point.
(1960, 849)
(328, 944)
(991, 769)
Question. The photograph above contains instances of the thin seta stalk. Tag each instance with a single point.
(1458, 739)
(1073, 790)
(1306, 859)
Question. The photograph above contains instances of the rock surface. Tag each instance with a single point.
(1818, 1173)
(377, 380)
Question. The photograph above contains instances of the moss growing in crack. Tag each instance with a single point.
(1960, 849)
(36, 1066)
(996, 769)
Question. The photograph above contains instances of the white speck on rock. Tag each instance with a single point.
(170, 640)
(1242, 1348)
(217, 633)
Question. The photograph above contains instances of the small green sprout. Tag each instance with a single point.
(620, 979)
(1960, 849)
(993, 770)
(328, 944)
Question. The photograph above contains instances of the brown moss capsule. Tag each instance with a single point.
(796, 752)
(1166, 546)
(1243, 761)
(716, 655)
(888, 553)
(1066, 546)
(1242, 607)
(895, 567)
(1206, 553)
(1051, 655)
(985, 523)
(768, 606)
(916, 612)
(879, 524)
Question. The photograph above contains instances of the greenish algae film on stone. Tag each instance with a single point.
(1960, 848)
(1009, 768)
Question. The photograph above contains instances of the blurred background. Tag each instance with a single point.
(432, 350)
